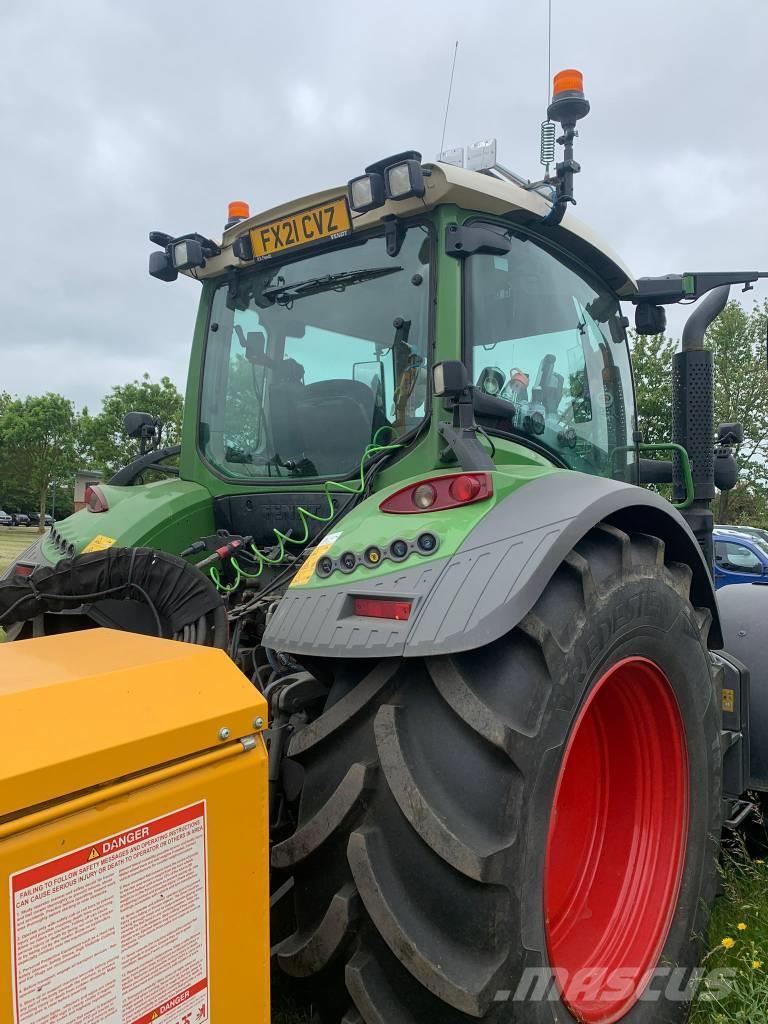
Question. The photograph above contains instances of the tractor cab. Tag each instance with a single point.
(309, 357)
(312, 349)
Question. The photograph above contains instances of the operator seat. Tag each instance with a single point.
(329, 422)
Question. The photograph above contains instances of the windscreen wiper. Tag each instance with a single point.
(284, 293)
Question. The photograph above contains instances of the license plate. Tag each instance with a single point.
(307, 227)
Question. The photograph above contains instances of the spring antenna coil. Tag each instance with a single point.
(547, 156)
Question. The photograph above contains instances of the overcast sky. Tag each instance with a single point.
(120, 116)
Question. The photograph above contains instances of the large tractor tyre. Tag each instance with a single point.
(525, 831)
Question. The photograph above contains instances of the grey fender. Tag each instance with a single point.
(470, 599)
(744, 614)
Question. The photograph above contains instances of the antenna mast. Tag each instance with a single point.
(547, 155)
(450, 87)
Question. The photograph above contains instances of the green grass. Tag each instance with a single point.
(13, 540)
(738, 941)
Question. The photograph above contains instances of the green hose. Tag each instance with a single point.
(305, 515)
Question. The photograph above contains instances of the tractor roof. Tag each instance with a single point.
(471, 190)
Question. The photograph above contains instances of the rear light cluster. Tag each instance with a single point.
(382, 608)
(95, 500)
(441, 492)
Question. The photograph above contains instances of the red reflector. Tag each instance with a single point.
(24, 570)
(382, 608)
(464, 488)
(95, 500)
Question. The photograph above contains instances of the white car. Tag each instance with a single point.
(5, 519)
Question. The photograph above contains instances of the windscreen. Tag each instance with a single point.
(309, 361)
(544, 335)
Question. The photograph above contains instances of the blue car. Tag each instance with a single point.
(740, 556)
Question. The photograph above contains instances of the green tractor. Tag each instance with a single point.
(408, 504)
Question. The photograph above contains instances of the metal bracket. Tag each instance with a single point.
(739, 811)
(464, 445)
(467, 239)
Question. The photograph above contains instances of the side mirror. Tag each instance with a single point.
(730, 433)
(141, 425)
(650, 319)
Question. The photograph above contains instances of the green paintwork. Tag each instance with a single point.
(366, 525)
(167, 515)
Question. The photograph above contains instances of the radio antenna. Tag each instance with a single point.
(549, 52)
(547, 153)
(450, 87)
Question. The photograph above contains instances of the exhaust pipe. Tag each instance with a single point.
(693, 417)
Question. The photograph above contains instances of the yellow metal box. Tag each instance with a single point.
(133, 834)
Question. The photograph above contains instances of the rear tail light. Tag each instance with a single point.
(449, 491)
(95, 500)
(382, 608)
(24, 570)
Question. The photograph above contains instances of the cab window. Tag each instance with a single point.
(544, 335)
(310, 359)
(734, 557)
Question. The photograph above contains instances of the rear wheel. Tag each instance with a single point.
(521, 832)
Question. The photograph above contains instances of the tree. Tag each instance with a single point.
(105, 445)
(737, 339)
(652, 372)
(38, 439)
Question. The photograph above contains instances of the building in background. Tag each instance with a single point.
(83, 479)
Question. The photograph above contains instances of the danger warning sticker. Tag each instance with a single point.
(117, 931)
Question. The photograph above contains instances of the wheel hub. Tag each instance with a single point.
(616, 843)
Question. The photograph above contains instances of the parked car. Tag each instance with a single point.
(741, 556)
(20, 519)
(35, 519)
(754, 531)
(5, 519)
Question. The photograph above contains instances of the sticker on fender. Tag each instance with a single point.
(305, 572)
(99, 543)
(117, 931)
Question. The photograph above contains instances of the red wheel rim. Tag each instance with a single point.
(616, 843)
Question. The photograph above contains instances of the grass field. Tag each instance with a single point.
(743, 950)
(13, 540)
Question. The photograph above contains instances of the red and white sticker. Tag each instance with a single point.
(116, 932)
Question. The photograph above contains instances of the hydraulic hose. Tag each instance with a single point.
(262, 560)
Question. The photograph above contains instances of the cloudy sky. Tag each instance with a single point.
(120, 116)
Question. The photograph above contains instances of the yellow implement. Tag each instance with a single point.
(133, 834)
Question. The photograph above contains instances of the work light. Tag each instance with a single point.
(449, 378)
(366, 192)
(188, 253)
(404, 180)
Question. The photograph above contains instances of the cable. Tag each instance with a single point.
(489, 440)
(371, 450)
